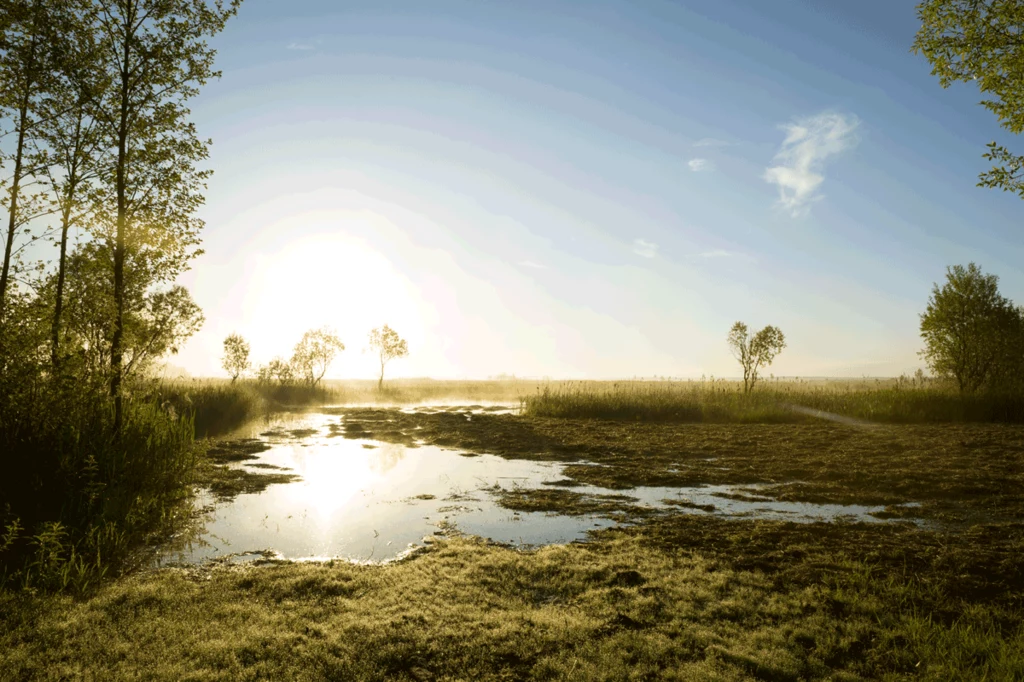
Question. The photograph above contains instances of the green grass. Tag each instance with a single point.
(628, 607)
(676, 597)
(897, 402)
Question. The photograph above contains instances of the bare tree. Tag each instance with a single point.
(388, 345)
(754, 352)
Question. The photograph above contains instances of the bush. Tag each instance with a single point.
(75, 498)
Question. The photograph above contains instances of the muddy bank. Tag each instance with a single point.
(956, 473)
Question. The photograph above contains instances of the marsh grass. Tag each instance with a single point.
(77, 498)
(901, 401)
(731, 602)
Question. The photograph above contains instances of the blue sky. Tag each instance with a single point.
(589, 189)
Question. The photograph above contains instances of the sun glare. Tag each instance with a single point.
(330, 483)
(327, 278)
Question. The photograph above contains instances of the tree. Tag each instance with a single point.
(389, 346)
(156, 57)
(70, 135)
(967, 328)
(754, 352)
(26, 71)
(314, 354)
(278, 369)
(157, 321)
(980, 41)
(236, 356)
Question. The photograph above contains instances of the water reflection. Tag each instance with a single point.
(366, 500)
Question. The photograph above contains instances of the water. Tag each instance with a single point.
(364, 500)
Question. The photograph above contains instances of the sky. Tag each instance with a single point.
(588, 189)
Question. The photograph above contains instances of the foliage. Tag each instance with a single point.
(314, 353)
(156, 57)
(95, 95)
(277, 369)
(236, 356)
(756, 352)
(979, 41)
(156, 322)
(971, 332)
(29, 47)
(389, 346)
(81, 495)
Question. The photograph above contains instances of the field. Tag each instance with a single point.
(932, 588)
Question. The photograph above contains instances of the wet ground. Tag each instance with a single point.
(364, 484)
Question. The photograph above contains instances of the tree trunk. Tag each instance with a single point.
(117, 341)
(12, 222)
(65, 226)
(59, 303)
(380, 382)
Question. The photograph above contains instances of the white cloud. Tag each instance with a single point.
(711, 142)
(531, 264)
(642, 247)
(699, 165)
(798, 163)
(300, 46)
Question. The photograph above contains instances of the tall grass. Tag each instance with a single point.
(899, 401)
(76, 498)
(219, 406)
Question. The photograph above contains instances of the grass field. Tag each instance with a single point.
(899, 401)
(937, 593)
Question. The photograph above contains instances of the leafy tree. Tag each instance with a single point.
(980, 41)
(26, 71)
(236, 356)
(967, 328)
(156, 57)
(279, 369)
(157, 322)
(388, 345)
(70, 138)
(754, 352)
(314, 354)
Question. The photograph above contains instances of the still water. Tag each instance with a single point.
(364, 500)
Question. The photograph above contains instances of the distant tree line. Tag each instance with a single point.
(311, 357)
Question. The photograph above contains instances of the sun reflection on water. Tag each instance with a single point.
(332, 483)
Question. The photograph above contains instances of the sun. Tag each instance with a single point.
(326, 278)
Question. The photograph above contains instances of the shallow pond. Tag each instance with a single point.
(364, 500)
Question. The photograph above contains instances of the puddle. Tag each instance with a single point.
(365, 500)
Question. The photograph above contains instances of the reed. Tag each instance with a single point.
(901, 401)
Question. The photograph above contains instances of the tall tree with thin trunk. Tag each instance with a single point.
(25, 71)
(70, 137)
(388, 346)
(156, 55)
